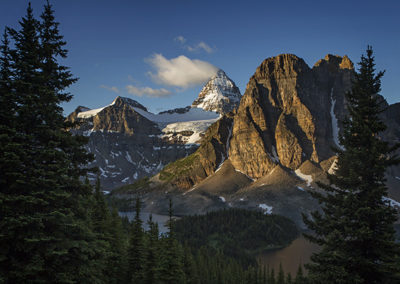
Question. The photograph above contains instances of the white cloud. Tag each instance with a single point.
(148, 92)
(181, 71)
(193, 48)
(201, 45)
(206, 47)
(180, 39)
(112, 89)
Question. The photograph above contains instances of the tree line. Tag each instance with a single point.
(239, 233)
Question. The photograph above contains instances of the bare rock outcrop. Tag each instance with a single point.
(289, 113)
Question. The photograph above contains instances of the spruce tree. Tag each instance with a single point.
(355, 229)
(100, 220)
(288, 278)
(44, 230)
(118, 245)
(190, 267)
(271, 278)
(136, 248)
(7, 101)
(172, 262)
(100, 213)
(281, 275)
(300, 279)
(152, 262)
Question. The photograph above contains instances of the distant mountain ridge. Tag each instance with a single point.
(130, 143)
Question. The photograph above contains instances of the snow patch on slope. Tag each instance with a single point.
(307, 178)
(220, 165)
(333, 167)
(274, 157)
(92, 112)
(198, 128)
(334, 121)
(267, 209)
(391, 202)
(300, 188)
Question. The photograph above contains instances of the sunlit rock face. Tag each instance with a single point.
(289, 113)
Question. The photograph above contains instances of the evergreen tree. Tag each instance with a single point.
(300, 279)
(281, 275)
(44, 230)
(356, 231)
(8, 103)
(189, 267)
(152, 262)
(288, 278)
(271, 278)
(172, 264)
(101, 226)
(100, 213)
(8, 147)
(118, 246)
(265, 272)
(136, 248)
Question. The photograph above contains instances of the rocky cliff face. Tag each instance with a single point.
(289, 113)
(185, 173)
(126, 145)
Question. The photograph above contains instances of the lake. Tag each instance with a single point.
(298, 252)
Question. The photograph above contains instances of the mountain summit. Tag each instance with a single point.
(130, 143)
(220, 94)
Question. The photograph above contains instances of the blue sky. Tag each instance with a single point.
(159, 52)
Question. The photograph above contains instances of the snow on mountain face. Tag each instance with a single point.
(183, 127)
(92, 112)
(188, 132)
(220, 94)
(191, 114)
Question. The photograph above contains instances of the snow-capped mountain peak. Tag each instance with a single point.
(220, 94)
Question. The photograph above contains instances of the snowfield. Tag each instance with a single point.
(191, 115)
(198, 127)
(92, 112)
